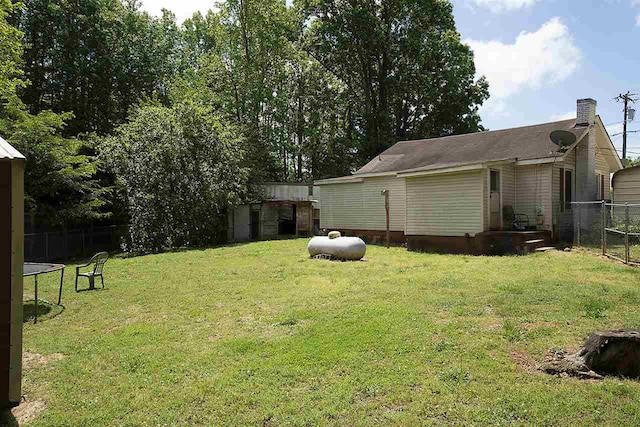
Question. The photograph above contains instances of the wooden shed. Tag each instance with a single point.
(11, 264)
(626, 185)
(283, 210)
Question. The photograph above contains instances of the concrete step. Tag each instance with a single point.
(534, 241)
(546, 249)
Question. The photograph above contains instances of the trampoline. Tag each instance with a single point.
(36, 268)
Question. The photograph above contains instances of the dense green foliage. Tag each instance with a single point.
(259, 334)
(179, 169)
(60, 184)
(312, 90)
(404, 63)
(94, 58)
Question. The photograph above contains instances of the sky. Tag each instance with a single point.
(539, 56)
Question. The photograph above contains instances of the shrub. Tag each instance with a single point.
(180, 170)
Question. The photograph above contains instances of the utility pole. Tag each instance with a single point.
(626, 98)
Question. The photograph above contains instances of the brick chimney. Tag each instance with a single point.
(586, 112)
(586, 186)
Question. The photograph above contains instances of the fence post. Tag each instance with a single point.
(46, 246)
(604, 228)
(66, 242)
(579, 207)
(626, 232)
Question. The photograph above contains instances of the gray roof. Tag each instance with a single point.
(8, 152)
(523, 143)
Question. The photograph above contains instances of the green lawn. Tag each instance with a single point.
(258, 334)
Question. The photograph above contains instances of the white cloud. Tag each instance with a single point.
(497, 6)
(546, 56)
(638, 20)
(566, 116)
(183, 9)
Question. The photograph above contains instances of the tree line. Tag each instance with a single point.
(133, 118)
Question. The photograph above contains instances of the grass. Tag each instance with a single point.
(258, 334)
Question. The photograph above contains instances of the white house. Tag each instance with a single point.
(460, 193)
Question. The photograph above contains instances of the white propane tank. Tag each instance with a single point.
(350, 248)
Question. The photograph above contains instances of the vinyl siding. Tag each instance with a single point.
(508, 185)
(602, 168)
(627, 187)
(342, 206)
(360, 206)
(445, 205)
(533, 189)
(374, 213)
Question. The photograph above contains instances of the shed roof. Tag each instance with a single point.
(8, 152)
(521, 143)
(631, 169)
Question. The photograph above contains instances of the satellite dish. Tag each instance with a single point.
(562, 138)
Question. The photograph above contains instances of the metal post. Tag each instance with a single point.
(386, 207)
(626, 232)
(61, 282)
(604, 228)
(65, 235)
(579, 207)
(46, 246)
(84, 250)
(35, 319)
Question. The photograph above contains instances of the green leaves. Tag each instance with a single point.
(179, 169)
(404, 63)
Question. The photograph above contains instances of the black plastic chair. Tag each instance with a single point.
(98, 260)
(513, 220)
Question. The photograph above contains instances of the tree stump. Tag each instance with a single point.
(604, 353)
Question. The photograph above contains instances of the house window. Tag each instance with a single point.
(566, 189)
(600, 187)
(495, 181)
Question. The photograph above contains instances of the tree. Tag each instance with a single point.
(291, 110)
(95, 58)
(179, 169)
(59, 175)
(10, 57)
(404, 63)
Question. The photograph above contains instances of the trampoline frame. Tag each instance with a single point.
(46, 268)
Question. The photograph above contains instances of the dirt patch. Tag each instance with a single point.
(524, 361)
(33, 360)
(28, 410)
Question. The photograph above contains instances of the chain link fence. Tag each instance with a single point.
(68, 244)
(611, 228)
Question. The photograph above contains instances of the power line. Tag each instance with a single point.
(630, 131)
